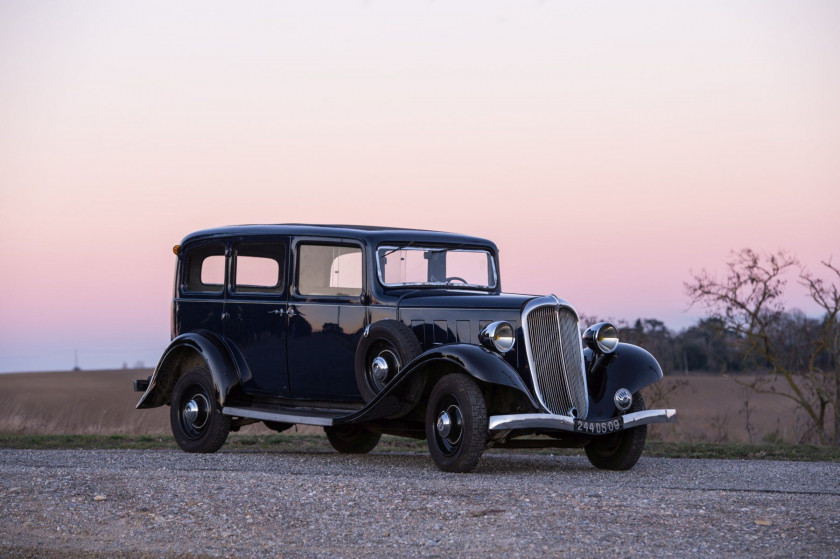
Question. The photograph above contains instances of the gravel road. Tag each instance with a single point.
(77, 503)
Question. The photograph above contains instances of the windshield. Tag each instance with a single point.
(426, 266)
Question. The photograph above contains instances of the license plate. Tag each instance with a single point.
(599, 427)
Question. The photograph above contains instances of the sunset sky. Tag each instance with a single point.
(608, 148)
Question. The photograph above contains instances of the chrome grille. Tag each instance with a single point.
(555, 356)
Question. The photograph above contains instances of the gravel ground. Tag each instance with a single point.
(122, 503)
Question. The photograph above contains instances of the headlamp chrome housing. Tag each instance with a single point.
(499, 336)
(601, 338)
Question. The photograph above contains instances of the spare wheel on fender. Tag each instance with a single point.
(388, 346)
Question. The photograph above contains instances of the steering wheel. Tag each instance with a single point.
(455, 278)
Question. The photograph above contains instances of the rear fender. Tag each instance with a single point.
(629, 367)
(186, 352)
(404, 392)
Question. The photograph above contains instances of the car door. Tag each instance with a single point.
(256, 312)
(326, 319)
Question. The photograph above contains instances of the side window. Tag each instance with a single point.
(205, 271)
(329, 270)
(259, 268)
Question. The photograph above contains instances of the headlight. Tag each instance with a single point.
(499, 336)
(601, 337)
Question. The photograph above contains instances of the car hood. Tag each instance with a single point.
(454, 298)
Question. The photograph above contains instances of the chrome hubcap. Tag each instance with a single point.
(384, 365)
(448, 426)
(196, 410)
(191, 411)
(444, 424)
(379, 368)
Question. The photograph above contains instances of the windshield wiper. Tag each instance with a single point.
(444, 249)
(396, 249)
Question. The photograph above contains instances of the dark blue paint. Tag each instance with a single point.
(322, 350)
(629, 367)
(186, 351)
(252, 349)
(454, 299)
(481, 364)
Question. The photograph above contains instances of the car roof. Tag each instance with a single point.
(371, 234)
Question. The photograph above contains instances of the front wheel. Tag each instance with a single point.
(456, 423)
(196, 419)
(352, 440)
(621, 450)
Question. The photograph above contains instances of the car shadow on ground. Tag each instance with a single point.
(490, 464)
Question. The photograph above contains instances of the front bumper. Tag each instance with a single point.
(567, 423)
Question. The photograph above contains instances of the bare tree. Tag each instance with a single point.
(827, 340)
(802, 351)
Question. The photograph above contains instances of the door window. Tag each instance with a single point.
(205, 271)
(330, 270)
(259, 268)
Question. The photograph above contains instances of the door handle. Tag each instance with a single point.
(225, 316)
(281, 312)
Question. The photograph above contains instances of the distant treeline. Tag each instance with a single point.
(708, 346)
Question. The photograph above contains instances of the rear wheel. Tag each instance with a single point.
(352, 440)
(456, 423)
(194, 413)
(621, 450)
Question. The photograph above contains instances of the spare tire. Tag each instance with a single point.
(382, 352)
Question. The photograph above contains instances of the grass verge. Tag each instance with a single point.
(297, 443)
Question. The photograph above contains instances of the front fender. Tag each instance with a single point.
(629, 367)
(185, 352)
(481, 364)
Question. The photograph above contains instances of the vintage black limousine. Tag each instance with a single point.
(371, 330)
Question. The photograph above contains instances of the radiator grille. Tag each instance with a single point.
(555, 356)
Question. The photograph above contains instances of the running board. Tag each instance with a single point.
(300, 418)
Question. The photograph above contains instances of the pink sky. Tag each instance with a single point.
(608, 148)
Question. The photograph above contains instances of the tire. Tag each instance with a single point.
(348, 439)
(622, 450)
(456, 423)
(278, 426)
(391, 341)
(197, 421)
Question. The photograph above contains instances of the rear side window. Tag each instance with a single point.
(330, 270)
(260, 267)
(206, 269)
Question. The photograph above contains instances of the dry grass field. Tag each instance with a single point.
(717, 408)
(711, 408)
(82, 402)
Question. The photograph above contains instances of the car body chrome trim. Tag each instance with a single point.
(279, 417)
(567, 422)
(532, 305)
(649, 416)
(623, 399)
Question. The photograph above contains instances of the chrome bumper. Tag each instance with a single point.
(567, 423)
